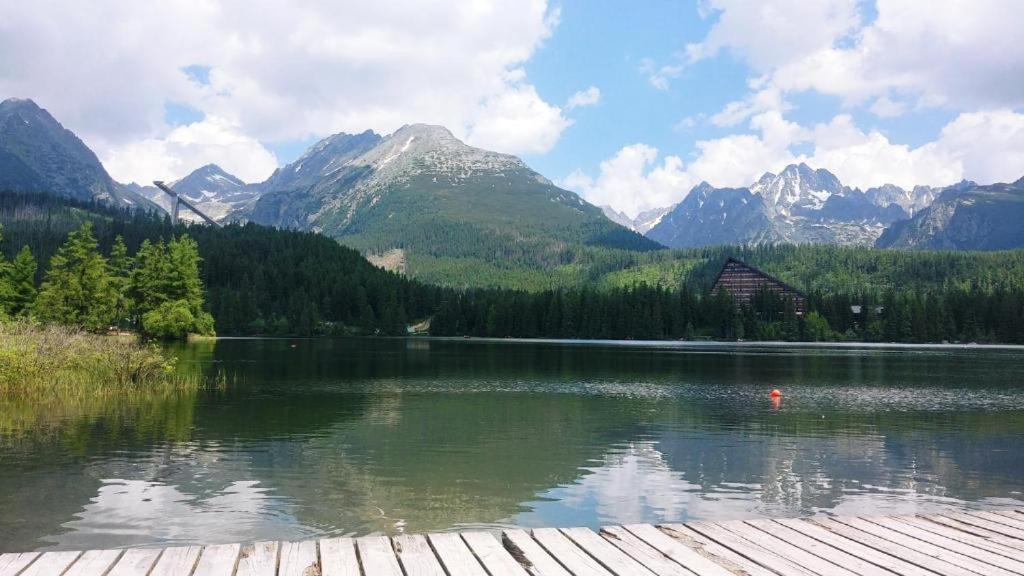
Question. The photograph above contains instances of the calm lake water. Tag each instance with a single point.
(315, 437)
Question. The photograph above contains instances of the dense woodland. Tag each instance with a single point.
(258, 280)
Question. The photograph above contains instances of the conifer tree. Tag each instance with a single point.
(22, 275)
(78, 289)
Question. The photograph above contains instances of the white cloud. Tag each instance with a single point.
(280, 70)
(587, 97)
(660, 76)
(632, 181)
(518, 120)
(770, 33)
(950, 53)
(188, 147)
(983, 146)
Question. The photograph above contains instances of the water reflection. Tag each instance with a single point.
(353, 437)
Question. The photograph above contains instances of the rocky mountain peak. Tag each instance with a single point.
(797, 188)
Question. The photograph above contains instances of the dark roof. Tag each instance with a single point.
(759, 271)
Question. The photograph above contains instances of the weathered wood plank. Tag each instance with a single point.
(752, 550)
(912, 555)
(50, 564)
(836, 556)
(604, 552)
(338, 557)
(1010, 566)
(688, 557)
(1000, 518)
(961, 536)
(93, 563)
(378, 556)
(218, 560)
(533, 558)
(455, 555)
(1011, 514)
(135, 562)
(988, 525)
(568, 554)
(810, 560)
(923, 546)
(642, 552)
(891, 563)
(1008, 541)
(259, 559)
(495, 558)
(416, 556)
(736, 563)
(176, 561)
(299, 559)
(13, 562)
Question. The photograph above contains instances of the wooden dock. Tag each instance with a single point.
(970, 543)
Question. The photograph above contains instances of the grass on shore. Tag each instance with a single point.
(39, 361)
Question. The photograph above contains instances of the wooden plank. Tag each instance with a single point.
(533, 558)
(736, 563)
(1010, 566)
(259, 559)
(416, 556)
(752, 550)
(615, 560)
(685, 556)
(891, 563)
(1014, 515)
(13, 562)
(338, 557)
(218, 560)
(93, 563)
(924, 546)
(135, 562)
(299, 559)
(960, 535)
(993, 517)
(570, 555)
(455, 555)
(51, 564)
(177, 560)
(1007, 541)
(492, 554)
(912, 555)
(642, 552)
(772, 543)
(988, 524)
(836, 556)
(378, 556)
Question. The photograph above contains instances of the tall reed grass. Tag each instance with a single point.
(47, 361)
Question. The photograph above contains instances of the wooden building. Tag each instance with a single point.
(743, 281)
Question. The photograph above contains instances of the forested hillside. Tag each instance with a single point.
(258, 280)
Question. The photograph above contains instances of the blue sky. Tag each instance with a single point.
(878, 91)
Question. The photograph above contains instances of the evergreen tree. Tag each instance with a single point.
(22, 276)
(78, 289)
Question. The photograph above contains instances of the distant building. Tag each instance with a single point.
(743, 281)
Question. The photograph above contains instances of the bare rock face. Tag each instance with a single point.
(37, 154)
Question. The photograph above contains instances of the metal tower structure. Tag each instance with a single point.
(177, 201)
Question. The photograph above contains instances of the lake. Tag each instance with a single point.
(359, 436)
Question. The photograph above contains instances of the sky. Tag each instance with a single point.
(629, 104)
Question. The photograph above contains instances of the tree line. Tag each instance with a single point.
(156, 291)
(256, 280)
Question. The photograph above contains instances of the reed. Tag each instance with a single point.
(47, 361)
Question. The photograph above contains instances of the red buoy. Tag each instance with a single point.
(775, 393)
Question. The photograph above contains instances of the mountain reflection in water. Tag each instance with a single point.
(316, 437)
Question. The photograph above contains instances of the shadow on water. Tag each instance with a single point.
(313, 437)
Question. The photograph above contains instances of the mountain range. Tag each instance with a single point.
(798, 205)
(37, 154)
(441, 204)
